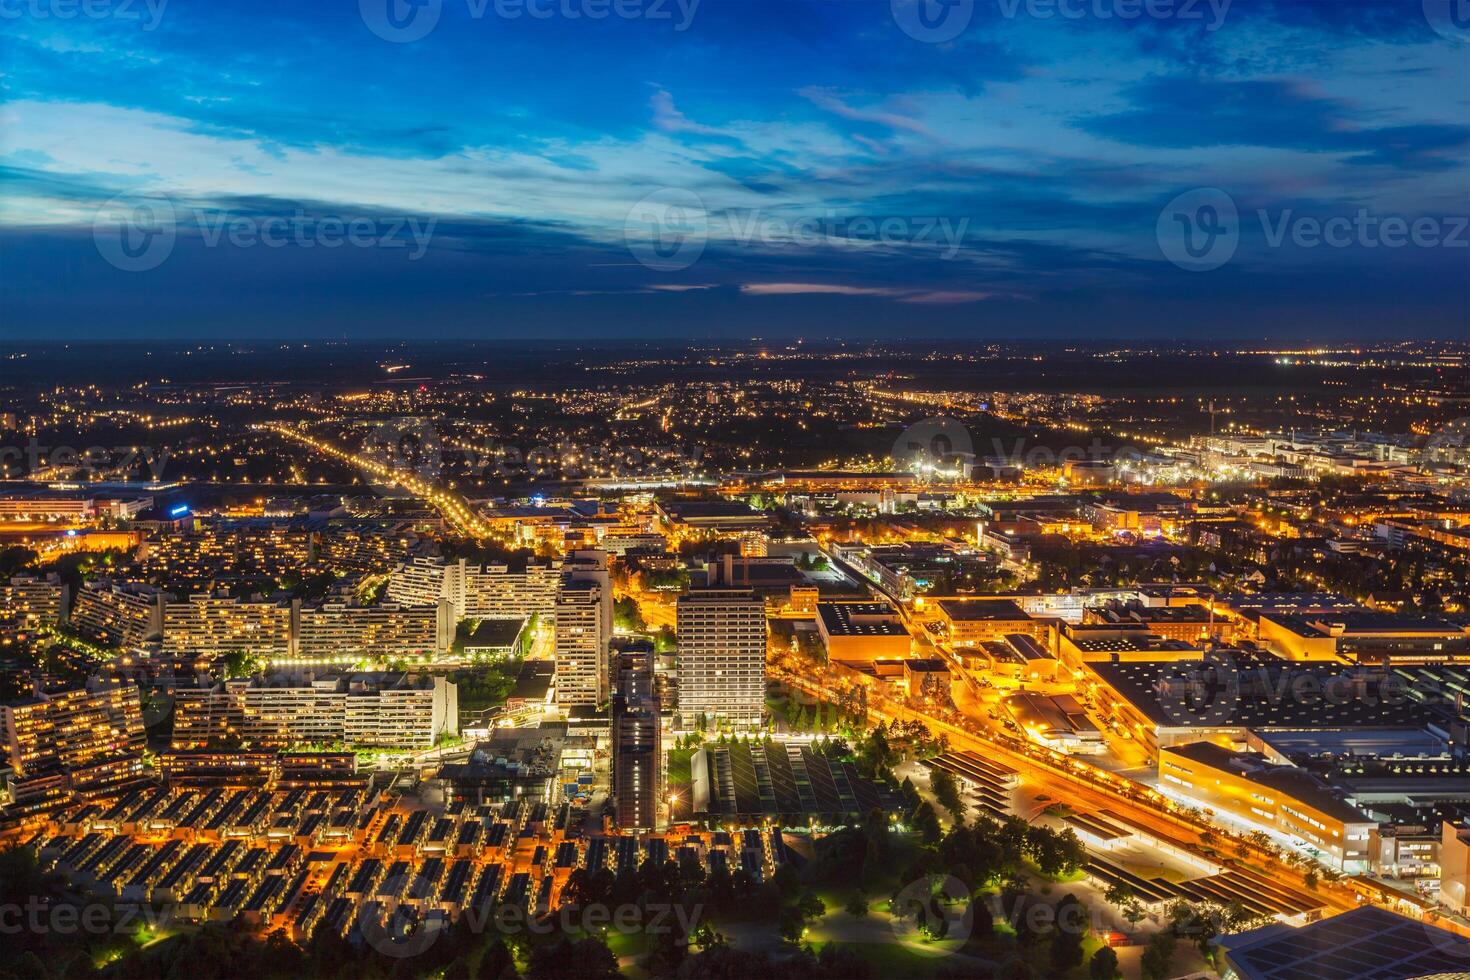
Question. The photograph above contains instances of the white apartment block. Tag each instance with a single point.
(217, 626)
(402, 711)
(30, 602)
(336, 631)
(722, 655)
(126, 616)
(476, 591)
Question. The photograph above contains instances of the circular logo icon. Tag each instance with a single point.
(1203, 693)
(932, 21)
(1449, 18)
(135, 234)
(667, 230)
(1199, 230)
(1451, 444)
(940, 906)
(933, 447)
(401, 932)
(400, 21)
(397, 447)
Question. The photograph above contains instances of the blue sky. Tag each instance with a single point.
(804, 167)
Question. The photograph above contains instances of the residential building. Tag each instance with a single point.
(583, 630)
(116, 614)
(214, 626)
(391, 710)
(722, 655)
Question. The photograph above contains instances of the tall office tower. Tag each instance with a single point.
(722, 655)
(583, 629)
(637, 761)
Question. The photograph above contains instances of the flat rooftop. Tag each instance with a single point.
(860, 619)
(981, 610)
(1366, 942)
(1257, 695)
(496, 633)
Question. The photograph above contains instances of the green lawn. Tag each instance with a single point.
(681, 782)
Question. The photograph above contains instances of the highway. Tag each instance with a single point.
(457, 513)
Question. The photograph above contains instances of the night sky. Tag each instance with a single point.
(734, 168)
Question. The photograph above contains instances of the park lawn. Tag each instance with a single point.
(681, 782)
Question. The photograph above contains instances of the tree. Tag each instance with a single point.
(1158, 955)
(857, 907)
(496, 962)
(1066, 940)
(1104, 964)
(586, 959)
(927, 823)
(810, 906)
(1310, 879)
(947, 792)
(790, 924)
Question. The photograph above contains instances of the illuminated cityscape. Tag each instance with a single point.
(724, 489)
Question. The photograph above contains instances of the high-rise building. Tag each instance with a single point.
(722, 655)
(637, 765)
(583, 629)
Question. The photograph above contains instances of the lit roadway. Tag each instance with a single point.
(1074, 781)
(456, 512)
